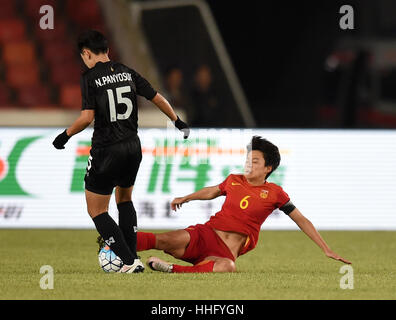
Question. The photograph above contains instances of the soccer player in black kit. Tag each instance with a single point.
(109, 90)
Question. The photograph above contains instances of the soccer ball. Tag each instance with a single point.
(108, 260)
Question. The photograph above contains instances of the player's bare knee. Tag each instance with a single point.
(123, 198)
(224, 265)
(123, 194)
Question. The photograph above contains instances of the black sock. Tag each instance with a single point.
(113, 237)
(128, 224)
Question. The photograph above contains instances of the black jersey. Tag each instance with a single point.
(111, 89)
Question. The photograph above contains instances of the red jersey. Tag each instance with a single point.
(246, 207)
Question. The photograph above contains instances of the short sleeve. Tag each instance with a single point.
(87, 94)
(143, 87)
(283, 198)
(222, 186)
(284, 204)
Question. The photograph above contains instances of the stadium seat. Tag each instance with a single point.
(22, 75)
(59, 33)
(87, 15)
(7, 9)
(32, 7)
(35, 95)
(27, 51)
(21, 52)
(12, 30)
(65, 73)
(5, 95)
(70, 97)
(376, 118)
(59, 52)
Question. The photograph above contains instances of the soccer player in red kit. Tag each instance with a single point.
(234, 230)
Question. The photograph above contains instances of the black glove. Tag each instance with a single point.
(61, 140)
(182, 126)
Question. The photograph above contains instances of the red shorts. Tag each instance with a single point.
(204, 242)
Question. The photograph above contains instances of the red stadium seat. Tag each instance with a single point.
(21, 52)
(36, 95)
(59, 33)
(5, 95)
(32, 7)
(59, 52)
(21, 59)
(88, 13)
(65, 73)
(22, 75)
(12, 30)
(7, 9)
(70, 97)
(377, 118)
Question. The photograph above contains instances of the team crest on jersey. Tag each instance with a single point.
(264, 194)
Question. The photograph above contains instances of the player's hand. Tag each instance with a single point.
(335, 256)
(61, 140)
(182, 126)
(177, 203)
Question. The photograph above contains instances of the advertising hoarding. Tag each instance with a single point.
(339, 179)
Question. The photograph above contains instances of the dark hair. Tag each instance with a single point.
(92, 40)
(270, 152)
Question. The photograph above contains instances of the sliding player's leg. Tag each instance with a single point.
(210, 264)
(205, 250)
(98, 205)
(172, 242)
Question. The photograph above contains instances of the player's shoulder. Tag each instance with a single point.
(120, 67)
(273, 186)
(229, 178)
(104, 69)
(236, 178)
(86, 73)
(233, 176)
(86, 78)
(277, 189)
(92, 72)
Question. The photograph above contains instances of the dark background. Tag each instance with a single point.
(296, 65)
(278, 49)
(298, 69)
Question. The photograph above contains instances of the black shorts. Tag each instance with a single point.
(114, 165)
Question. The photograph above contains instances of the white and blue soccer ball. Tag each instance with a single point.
(109, 261)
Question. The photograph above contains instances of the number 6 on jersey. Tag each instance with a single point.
(114, 116)
(244, 203)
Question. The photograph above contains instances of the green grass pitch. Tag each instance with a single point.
(284, 265)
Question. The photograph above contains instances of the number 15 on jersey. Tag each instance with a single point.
(114, 116)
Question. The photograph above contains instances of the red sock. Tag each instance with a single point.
(204, 266)
(145, 241)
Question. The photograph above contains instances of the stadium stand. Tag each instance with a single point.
(5, 95)
(34, 96)
(22, 75)
(70, 96)
(41, 68)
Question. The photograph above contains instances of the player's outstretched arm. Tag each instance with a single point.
(308, 228)
(83, 121)
(167, 109)
(207, 193)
